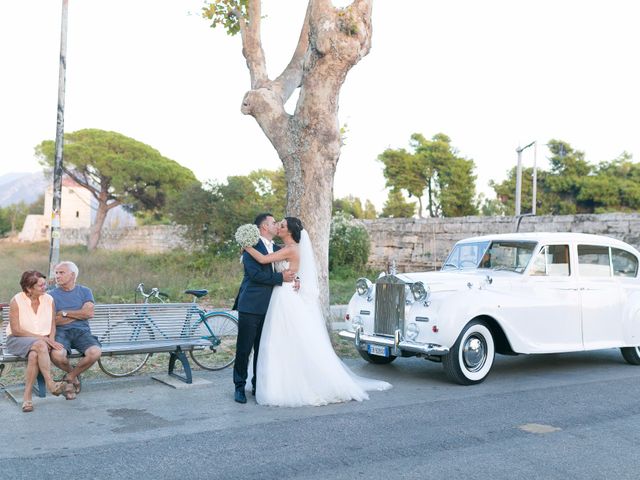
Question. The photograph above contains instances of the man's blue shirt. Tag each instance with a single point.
(72, 300)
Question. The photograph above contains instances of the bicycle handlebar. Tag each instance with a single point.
(154, 293)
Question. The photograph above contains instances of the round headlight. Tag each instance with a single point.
(412, 331)
(420, 291)
(363, 286)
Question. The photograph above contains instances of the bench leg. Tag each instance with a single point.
(41, 388)
(180, 355)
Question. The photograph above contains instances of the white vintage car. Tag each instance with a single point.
(512, 294)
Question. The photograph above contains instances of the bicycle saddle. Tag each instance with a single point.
(197, 293)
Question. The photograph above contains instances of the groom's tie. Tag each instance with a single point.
(269, 245)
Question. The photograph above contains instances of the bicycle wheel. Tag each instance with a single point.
(125, 332)
(222, 329)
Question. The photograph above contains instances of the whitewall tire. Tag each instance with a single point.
(471, 357)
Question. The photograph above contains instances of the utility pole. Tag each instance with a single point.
(54, 251)
(519, 177)
(534, 194)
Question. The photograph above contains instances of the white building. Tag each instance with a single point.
(78, 210)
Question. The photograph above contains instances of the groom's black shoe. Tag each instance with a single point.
(253, 391)
(240, 396)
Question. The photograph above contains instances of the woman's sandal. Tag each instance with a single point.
(58, 388)
(69, 391)
(27, 406)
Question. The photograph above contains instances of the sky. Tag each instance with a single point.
(492, 75)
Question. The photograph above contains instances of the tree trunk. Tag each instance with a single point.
(95, 232)
(308, 142)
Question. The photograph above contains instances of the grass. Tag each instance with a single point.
(113, 276)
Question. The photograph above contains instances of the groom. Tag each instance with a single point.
(252, 303)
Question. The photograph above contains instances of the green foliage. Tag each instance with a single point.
(572, 185)
(12, 217)
(490, 207)
(433, 169)
(226, 13)
(116, 168)
(353, 206)
(342, 281)
(615, 186)
(397, 206)
(213, 212)
(349, 244)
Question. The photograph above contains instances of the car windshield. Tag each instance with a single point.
(497, 255)
(465, 255)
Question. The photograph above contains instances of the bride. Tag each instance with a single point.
(297, 365)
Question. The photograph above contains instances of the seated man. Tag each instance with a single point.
(74, 307)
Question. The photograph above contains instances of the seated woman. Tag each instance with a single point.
(31, 333)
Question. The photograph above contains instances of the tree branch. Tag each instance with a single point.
(252, 44)
(291, 76)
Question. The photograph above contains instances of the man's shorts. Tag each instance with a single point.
(76, 338)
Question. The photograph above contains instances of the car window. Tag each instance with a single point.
(508, 255)
(593, 261)
(551, 261)
(624, 264)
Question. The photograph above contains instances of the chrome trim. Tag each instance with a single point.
(389, 305)
(361, 339)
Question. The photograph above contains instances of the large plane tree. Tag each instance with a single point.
(308, 142)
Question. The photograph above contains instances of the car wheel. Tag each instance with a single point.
(377, 359)
(471, 357)
(631, 355)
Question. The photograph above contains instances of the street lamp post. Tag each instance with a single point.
(519, 151)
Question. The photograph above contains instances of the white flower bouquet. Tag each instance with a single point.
(247, 235)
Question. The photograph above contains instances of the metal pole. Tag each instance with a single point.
(519, 181)
(54, 251)
(519, 177)
(535, 179)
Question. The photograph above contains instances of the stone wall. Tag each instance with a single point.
(413, 243)
(422, 244)
(148, 239)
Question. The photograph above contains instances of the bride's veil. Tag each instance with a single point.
(307, 271)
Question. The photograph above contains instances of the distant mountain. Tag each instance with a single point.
(21, 187)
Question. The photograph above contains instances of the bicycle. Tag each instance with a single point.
(218, 326)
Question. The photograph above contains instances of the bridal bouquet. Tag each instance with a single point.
(247, 235)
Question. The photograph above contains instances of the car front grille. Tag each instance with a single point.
(390, 298)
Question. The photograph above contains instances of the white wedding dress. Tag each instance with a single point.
(297, 365)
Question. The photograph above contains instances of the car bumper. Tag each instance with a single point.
(396, 344)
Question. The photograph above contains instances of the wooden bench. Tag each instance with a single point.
(125, 329)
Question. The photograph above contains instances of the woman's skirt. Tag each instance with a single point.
(20, 346)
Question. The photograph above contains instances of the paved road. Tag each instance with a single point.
(572, 416)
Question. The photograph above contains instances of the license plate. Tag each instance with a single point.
(379, 350)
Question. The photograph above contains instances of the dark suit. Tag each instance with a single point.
(252, 303)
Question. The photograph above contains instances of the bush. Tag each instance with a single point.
(349, 245)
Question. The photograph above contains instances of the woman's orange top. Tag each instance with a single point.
(36, 322)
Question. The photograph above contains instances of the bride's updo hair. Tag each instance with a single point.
(294, 225)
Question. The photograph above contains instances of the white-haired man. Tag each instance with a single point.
(74, 307)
